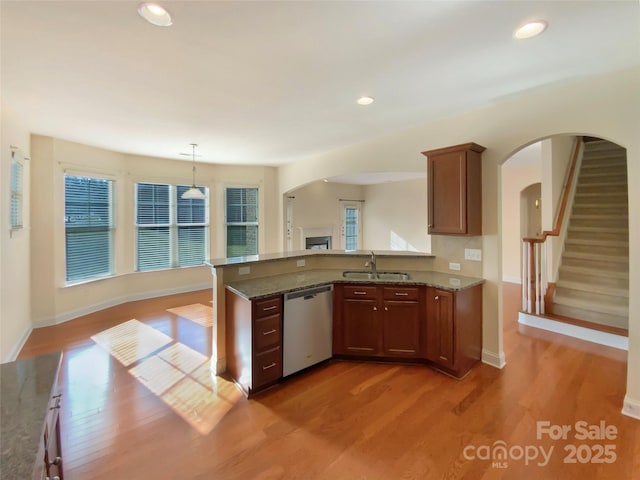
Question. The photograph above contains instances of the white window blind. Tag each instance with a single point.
(242, 221)
(17, 174)
(88, 227)
(171, 231)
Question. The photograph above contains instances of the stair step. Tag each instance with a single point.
(601, 145)
(598, 243)
(590, 289)
(591, 209)
(584, 304)
(594, 272)
(601, 177)
(597, 256)
(607, 319)
(601, 221)
(602, 188)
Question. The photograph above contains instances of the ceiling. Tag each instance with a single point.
(267, 83)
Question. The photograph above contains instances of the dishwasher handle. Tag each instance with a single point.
(308, 293)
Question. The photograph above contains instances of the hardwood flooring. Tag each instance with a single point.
(341, 420)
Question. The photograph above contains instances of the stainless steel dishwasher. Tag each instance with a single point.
(308, 325)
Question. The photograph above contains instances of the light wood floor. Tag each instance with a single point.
(342, 420)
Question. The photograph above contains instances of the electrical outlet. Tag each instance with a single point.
(474, 254)
(300, 263)
(454, 266)
(244, 270)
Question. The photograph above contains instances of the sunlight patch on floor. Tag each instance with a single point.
(197, 312)
(180, 376)
(131, 341)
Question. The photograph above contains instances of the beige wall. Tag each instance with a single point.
(15, 314)
(515, 178)
(395, 216)
(504, 128)
(556, 157)
(318, 205)
(51, 300)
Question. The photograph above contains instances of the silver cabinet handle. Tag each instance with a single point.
(401, 294)
(436, 297)
(269, 332)
(273, 364)
(375, 308)
(272, 307)
(359, 293)
(386, 309)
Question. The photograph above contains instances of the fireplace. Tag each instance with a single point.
(317, 243)
(316, 238)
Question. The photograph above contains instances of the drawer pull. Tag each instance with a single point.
(273, 364)
(272, 307)
(359, 293)
(269, 332)
(402, 294)
(436, 297)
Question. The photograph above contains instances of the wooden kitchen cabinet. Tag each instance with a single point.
(454, 189)
(358, 330)
(454, 328)
(377, 321)
(254, 341)
(402, 321)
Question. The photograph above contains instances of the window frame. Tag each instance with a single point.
(112, 229)
(344, 206)
(227, 224)
(173, 225)
(16, 209)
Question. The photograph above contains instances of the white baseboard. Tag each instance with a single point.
(631, 407)
(16, 350)
(510, 279)
(494, 359)
(594, 336)
(66, 316)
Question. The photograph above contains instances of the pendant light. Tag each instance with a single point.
(194, 193)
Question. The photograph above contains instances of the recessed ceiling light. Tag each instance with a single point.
(530, 29)
(155, 14)
(365, 100)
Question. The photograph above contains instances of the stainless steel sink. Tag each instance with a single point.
(364, 275)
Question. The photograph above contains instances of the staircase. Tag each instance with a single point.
(593, 279)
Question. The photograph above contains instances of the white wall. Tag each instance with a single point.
(515, 178)
(395, 216)
(51, 300)
(15, 287)
(606, 106)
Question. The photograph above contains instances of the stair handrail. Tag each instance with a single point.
(534, 249)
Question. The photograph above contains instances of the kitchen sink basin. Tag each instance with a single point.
(365, 275)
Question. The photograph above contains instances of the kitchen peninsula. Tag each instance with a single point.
(386, 305)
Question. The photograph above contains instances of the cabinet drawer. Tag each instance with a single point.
(267, 333)
(400, 293)
(267, 367)
(268, 306)
(360, 291)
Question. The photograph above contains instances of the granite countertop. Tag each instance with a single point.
(25, 395)
(221, 262)
(263, 287)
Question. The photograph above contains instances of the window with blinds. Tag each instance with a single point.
(17, 174)
(88, 210)
(241, 221)
(171, 231)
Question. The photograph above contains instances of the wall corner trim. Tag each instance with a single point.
(631, 407)
(18, 348)
(494, 359)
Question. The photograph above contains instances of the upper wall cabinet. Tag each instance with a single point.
(454, 189)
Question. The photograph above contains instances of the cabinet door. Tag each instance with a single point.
(447, 187)
(401, 328)
(440, 327)
(361, 330)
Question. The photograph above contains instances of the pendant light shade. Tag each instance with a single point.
(194, 193)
